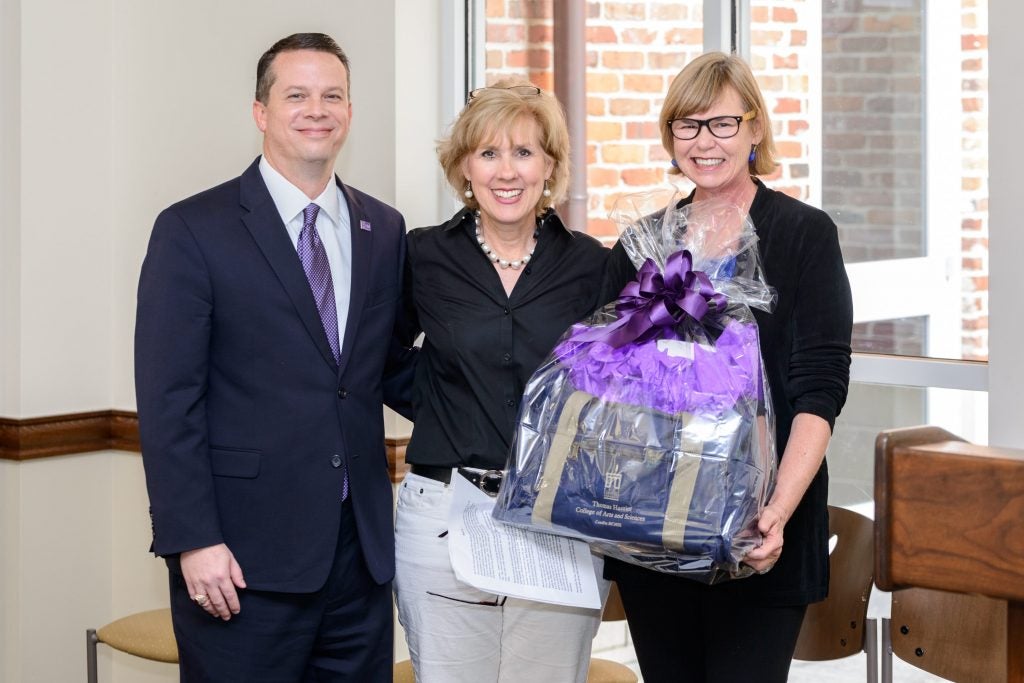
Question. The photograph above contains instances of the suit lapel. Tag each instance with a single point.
(361, 230)
(261, 218)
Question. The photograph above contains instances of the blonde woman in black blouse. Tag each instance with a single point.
(493, 289)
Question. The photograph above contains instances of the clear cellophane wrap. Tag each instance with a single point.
(648, 431)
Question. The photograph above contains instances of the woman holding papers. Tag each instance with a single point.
(715, 126)
(493, 289)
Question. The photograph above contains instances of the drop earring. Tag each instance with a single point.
(547, 190)
(675, 164)
(469, 190)
(751, 157)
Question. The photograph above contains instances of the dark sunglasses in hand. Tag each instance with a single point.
(521, 90)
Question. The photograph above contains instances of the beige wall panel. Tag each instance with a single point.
(65, 198)
(10, 571)
(64, 582)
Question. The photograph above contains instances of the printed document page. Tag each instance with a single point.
(509, 560)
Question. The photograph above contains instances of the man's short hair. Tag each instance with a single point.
(320, 42)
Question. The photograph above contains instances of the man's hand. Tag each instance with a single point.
(213, 572)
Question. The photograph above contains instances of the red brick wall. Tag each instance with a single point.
(873, 138)
(974, 178)
(780, 60)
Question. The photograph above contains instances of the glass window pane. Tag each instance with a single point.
(871, 408)
(872, 130)
(880, 116)
(900, 336)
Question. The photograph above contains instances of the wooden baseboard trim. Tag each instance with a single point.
(43, 437)
(106, 430)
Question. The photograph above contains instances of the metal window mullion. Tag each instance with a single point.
(907, 371)
(727, 26)
(570, 65)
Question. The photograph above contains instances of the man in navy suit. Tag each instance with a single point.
(264, 349)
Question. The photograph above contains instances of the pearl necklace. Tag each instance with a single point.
(503, 263)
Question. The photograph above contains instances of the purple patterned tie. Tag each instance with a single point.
(313, 257)
(318, 271)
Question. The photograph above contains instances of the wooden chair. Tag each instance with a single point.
(605, 670)
(149, 635)
(601, 670)
(950, 517)
(956, 636)
(838, 626)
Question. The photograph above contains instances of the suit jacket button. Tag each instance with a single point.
(336, 460)
(342, 393)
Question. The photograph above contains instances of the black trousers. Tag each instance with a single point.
(343, 633)
(687, 632)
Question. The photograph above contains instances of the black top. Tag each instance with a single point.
(805, 344)
(482, 346)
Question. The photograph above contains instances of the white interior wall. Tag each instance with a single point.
(10, 638)
(66, 191)
(10, 184)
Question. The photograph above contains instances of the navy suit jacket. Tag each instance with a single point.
(244, 417)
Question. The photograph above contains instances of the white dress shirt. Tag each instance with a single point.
(332, 223)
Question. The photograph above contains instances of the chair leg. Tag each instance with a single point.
(886, 651)
(871, 648)
(90, 655)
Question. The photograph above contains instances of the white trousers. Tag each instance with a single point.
(457, 633)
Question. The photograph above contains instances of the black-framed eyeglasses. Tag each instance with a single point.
(521, 90)
(719, 126)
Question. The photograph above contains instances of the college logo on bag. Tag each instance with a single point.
(612, 482)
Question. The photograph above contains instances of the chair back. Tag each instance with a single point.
(834, 628)
(613, 609)
(959, 637)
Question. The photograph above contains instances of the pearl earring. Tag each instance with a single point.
(469, 190)
(547, 191)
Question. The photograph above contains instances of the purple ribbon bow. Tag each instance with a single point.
(652, 305)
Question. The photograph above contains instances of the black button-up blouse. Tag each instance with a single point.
(481, 346)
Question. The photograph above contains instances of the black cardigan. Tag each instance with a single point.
(805, 343)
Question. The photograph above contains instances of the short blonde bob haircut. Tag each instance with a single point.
(490, 114)
(700, 84)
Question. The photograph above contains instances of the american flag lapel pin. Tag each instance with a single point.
(364, 225)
